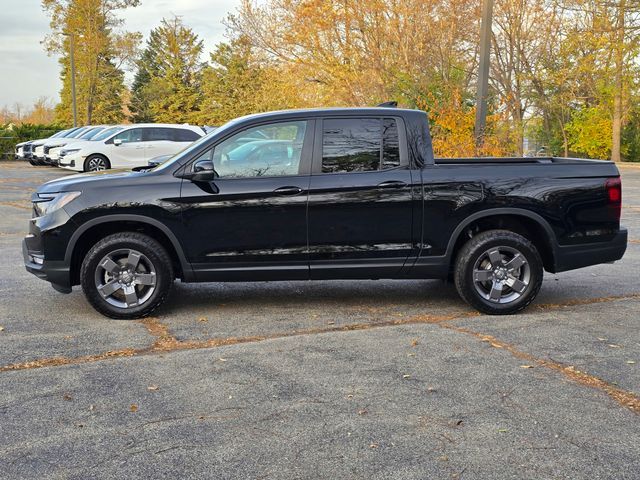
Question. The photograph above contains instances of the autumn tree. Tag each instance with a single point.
(167, 85)
(239, 83)
(100, 54)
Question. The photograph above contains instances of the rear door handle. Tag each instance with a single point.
(392, 184)
(288, 190)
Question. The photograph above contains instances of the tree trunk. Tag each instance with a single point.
(619, 83)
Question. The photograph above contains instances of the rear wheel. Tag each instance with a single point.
(498, 272)
(126, 275)
(96, 163)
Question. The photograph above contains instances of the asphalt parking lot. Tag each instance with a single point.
(380, 379)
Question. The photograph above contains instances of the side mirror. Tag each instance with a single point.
(117, 142)
(202, 171)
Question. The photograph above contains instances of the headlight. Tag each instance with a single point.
(67, 152)
(50, 202)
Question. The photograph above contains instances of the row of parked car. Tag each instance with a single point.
(101, 147)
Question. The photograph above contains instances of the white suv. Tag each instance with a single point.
(129, 146)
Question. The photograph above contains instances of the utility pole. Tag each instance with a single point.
(73, 76)
(483, 71)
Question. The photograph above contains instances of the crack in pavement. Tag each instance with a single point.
(623, 397)
(166, 342)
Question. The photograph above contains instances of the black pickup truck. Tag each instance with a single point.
(324, 194)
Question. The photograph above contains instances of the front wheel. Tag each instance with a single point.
(96, 163)
(126, 275)
(498, 272)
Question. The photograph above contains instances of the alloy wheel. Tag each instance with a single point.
(125, 278)
(501, 274)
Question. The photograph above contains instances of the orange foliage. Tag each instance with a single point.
(452, 128)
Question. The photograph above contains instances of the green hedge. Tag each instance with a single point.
(10, 135)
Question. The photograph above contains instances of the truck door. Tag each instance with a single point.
(360, 199)
(250, 222)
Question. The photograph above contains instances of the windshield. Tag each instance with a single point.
(194, 146)
(89, 134)
(78, 132)
(107, 132)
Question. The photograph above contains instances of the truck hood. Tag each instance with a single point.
(80, 181)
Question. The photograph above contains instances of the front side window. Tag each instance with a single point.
(270, 150)
(359, 145)
(130, 136)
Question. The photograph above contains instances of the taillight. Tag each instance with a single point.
(613, 186)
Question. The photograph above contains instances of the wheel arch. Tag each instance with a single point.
(527, 223)
(88, 233)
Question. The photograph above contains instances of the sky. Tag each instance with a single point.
(28, 73)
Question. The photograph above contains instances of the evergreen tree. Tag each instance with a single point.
(168, 80)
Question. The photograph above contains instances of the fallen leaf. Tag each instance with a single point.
(373, 445)
(613, 345)
(350, 396)
(1, 329)
(526, 366)
(92, 408)
(443, 458)
(406, 376)
(414, 343)
(133, 407)
(222, 359)
(331, 323)
(153, 387)
(67, 397)
(602, 339)
(363, 411)
(411, 354)
(203, 319)
(502, 430)
(631, 362)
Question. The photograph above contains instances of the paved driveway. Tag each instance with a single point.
(384, 379)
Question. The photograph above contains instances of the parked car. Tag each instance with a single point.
(28, 147)
(19, 150)
(37, 146)
(366, 200)
(56, 143)
(55, 153)
(132, 146)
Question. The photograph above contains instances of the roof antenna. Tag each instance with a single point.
(389, 105)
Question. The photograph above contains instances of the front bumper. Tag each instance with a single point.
(43, 249)
(570, 257)
(72, 162)
(58, 273)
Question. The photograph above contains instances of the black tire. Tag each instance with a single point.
(33, 162)
(480, 279)
(154, 264)
(96, 163)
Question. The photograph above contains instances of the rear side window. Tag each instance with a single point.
(184, 135)
(158, 133)
(359, 145)
(390, 144)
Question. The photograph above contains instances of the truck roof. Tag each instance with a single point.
(321, 112)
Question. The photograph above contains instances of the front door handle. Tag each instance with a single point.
(288, 190)
(392, 184)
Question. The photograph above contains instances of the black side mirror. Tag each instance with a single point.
(202, 171)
